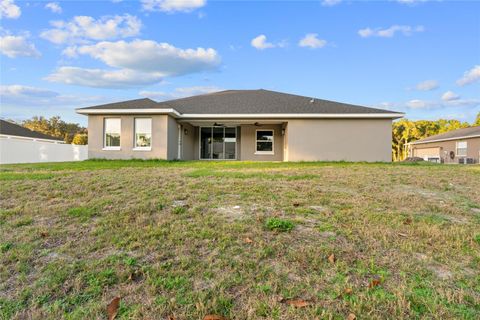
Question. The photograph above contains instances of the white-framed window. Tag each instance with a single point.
(143, 134)
(264, 141)
(461, 148)
(111, 129)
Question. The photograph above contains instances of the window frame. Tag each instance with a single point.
(211, 133)
(105, 147)
(273, 142)
(140, 148)
(465, 148)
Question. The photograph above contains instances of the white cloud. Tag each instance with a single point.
(456, 102)
(8, 9)
(172, 5)
(137, 63)
(179, 92)
(81, 29)
(54, 7)
(330, 3)
(450, 96)
(20, 95)
(261, 43)
(470, 76)
(427, 85)
(389, 32)
(311, 40)
(14, 46)
(417, 104)
(100, 78)
(151, 57)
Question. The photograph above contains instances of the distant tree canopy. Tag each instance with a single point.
(405, 131)
(55, 127)
(477, 121)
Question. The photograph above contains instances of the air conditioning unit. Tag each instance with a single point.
(462, 160)
(470, 160)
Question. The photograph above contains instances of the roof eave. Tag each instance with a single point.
(170, 111)
(294, 116)
(176, 114)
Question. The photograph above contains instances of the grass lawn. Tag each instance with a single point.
(240, 240)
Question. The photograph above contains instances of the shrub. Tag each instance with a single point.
(80, 139)
(277, 224)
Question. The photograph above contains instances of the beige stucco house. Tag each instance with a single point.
(458, 146)
(257, 125)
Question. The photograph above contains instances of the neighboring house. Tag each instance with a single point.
(9, 130)
(458, 146)
(257, 125)
(21, 145)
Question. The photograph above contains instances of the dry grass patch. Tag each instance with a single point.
(239, 240)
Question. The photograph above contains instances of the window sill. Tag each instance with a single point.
(265, 153)
(111, 148)
(142, 149)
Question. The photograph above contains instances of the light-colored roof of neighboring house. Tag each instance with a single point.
(243, 103)
(13, 129)
(464, 133)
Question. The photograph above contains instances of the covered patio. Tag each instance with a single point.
(232, 140)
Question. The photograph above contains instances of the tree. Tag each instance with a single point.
(80, 139)
(54, 127)
(477, 121)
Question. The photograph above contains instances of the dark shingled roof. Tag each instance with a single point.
(465, 132)
(246, 102)
(144, 103)
(13, 129)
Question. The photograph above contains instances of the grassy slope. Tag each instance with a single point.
(169, 238)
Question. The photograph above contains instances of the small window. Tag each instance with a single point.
(264, 142)
(112, 133)
(462, 148)
(143, 133)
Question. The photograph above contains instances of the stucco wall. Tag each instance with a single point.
(340, 140)
(188, 143)
(160, 128)
(172, 143)
(248, 143)
(473, 149)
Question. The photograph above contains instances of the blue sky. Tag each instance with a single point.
(419, 57)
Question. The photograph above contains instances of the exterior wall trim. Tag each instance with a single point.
(174, 113)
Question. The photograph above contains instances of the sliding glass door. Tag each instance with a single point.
(218, 143)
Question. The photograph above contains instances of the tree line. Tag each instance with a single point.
(405, 131)
(56, 127)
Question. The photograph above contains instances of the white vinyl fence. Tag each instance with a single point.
(14, 150)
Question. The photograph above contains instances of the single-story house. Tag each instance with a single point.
(257, 125)
(458, 146)
(10, 130)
